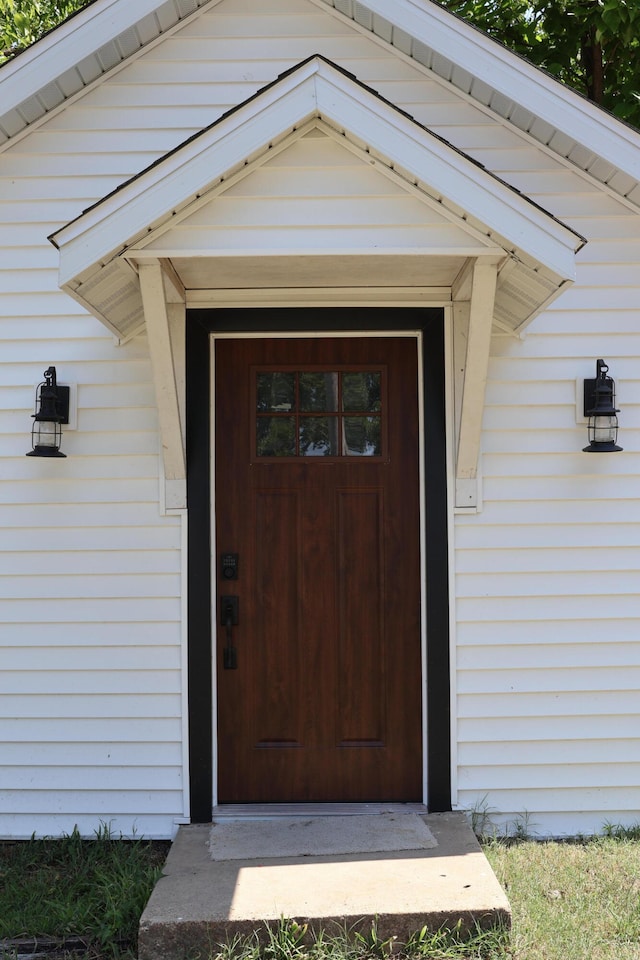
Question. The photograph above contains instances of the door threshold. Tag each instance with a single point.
(268, 811)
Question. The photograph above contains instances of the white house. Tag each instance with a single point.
(325, 279)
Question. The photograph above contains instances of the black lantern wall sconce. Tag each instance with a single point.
(52, 410)
(600, 409)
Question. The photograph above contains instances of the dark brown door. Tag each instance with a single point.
(316, 467)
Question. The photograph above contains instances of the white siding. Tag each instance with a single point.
(91, 712)
(547, 576)
(90, 664)
(90, 688)
(315, 196)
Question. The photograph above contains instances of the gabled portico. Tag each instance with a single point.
(163, 243)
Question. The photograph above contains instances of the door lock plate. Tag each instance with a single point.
(229, 611)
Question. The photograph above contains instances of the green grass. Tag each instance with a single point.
(289, 940)
(94, 890)
(571, 901)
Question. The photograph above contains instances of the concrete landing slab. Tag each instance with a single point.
(200, 902)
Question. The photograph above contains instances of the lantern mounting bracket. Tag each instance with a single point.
(63, 403)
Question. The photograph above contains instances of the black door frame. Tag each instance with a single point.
(200, 324)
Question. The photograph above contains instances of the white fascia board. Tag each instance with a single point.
(181, 176)
(515, 78)
(313, 89)
(448, 172)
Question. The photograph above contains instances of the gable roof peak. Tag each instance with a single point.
(537, 250)
(106, 33)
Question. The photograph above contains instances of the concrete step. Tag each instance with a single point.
(200, 902)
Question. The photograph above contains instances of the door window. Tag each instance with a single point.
(319, 413)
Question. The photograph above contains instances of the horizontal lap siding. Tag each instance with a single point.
(90, 663)
(90, 676)
(547, 607)
(91, 710)
(548, 650)
(301, 200)
(219, 60)
(90, 593)
(548, 659)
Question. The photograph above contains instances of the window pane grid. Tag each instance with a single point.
(318, 413)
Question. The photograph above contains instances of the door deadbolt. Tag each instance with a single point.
(229, 566)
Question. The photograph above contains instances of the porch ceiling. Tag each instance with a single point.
(272, 272)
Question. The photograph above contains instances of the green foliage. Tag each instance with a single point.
(285, 941)
(290, 940)
(617, 831)
(458, 944)
(480, 818)
(591, 45)
(24, 21)
(371, 944)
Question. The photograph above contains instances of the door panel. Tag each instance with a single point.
(317, 492)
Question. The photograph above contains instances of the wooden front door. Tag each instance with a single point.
(316, 472)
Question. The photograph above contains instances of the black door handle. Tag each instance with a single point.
(229, 619)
